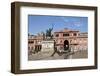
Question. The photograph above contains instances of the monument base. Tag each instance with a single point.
(47, 47)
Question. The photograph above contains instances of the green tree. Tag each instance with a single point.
(49, 33)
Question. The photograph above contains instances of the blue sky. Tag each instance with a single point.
(39, 23)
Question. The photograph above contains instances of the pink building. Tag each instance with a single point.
(34, 42)
(75, 40)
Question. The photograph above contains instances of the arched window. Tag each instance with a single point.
(60, 41)
(57, 35)
(66, 34)
(28, 48)
(74, 34)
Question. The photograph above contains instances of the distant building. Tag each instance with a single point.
(75, 39)
(34, 42)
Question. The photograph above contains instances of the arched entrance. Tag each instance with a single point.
(66, 45)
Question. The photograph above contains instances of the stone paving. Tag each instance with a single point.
(42, 56)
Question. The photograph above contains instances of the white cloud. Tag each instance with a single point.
(78, 24)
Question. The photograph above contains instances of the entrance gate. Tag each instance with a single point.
(66, 45)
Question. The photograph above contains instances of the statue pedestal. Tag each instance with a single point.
(47, 47)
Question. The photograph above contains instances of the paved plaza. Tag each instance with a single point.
(42, 56)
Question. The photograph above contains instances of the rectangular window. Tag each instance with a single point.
(30, 42)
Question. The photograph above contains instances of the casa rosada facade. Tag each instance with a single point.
(75, 39)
